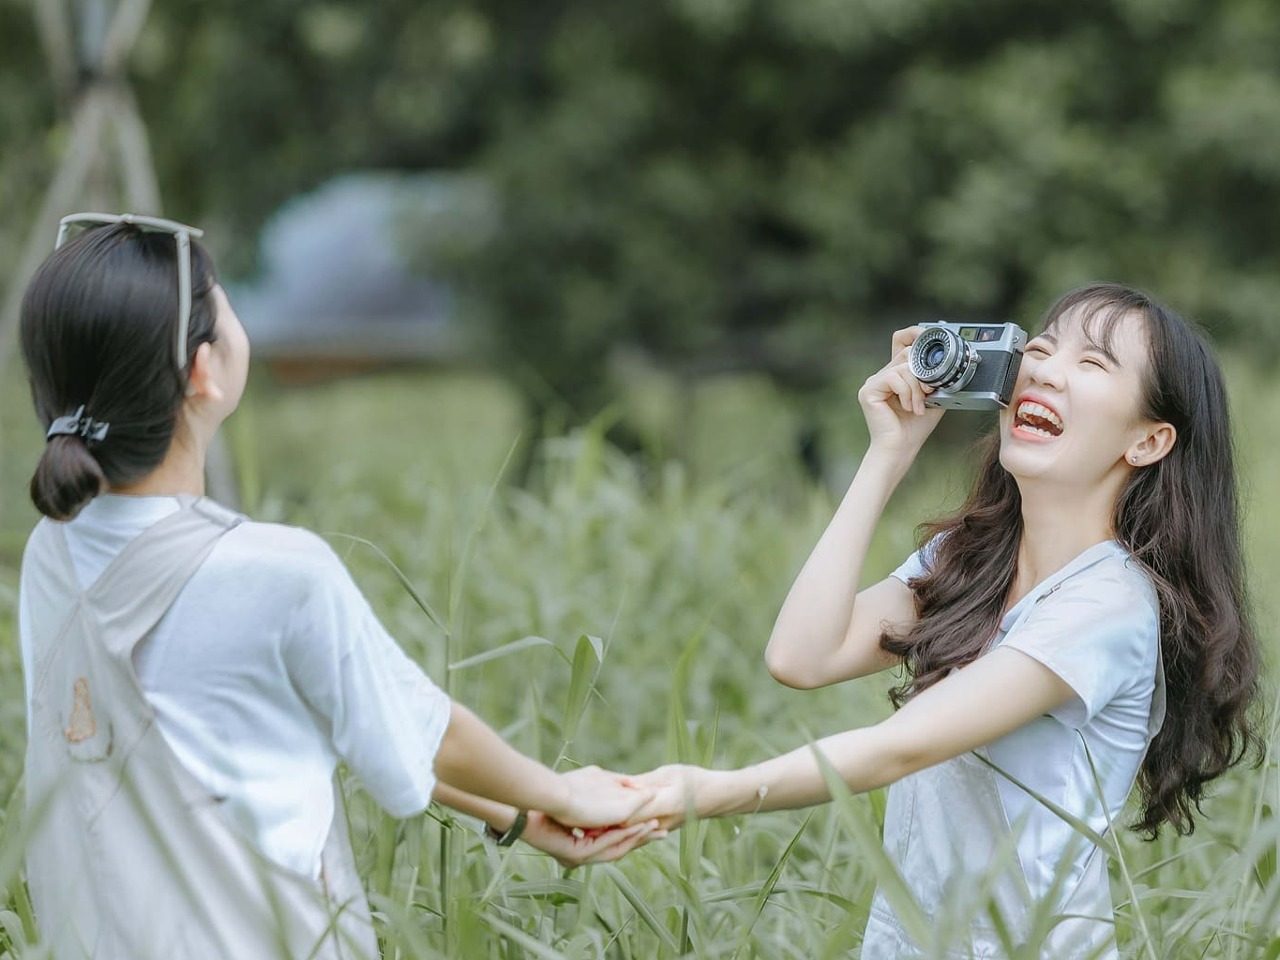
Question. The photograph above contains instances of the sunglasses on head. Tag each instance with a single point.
(181, 233)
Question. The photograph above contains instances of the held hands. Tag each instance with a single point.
(591, 830)
(673, 789)
(678, 790)
(654, 803)
(598, 821)
(572, 846)
(598, 798)
(892, 400)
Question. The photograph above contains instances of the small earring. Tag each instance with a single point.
(1133, 460)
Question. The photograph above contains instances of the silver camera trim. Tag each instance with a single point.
(959, 357)
(953, 396)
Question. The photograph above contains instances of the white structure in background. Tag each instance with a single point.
(342, 285)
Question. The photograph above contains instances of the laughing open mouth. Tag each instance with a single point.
(1037, 418)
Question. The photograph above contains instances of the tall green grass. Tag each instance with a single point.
(613, 609)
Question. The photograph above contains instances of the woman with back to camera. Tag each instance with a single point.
(192, 676)
(1083, 610)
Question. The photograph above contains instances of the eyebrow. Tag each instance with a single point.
(1093, 345)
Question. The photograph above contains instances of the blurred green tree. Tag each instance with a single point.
(755, 183)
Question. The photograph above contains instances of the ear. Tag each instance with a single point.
(1154, 446)
(201, 383)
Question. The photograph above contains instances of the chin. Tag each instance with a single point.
(1023, 462)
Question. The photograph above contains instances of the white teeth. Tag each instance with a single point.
(1030, 429)
(1029, 408)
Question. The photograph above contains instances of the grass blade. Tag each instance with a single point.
(867, 837)
(586, 665)
(518, 936)
(515, 646)
(638, 904)
(766, 890)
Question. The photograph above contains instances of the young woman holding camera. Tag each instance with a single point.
(194, 677)
(1093, 576)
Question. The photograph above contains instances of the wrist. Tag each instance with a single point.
(501, 819)
(891, 463)
(722, 793)
(506, 837)
(558, 804)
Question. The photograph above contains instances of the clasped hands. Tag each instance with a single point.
(607, 814)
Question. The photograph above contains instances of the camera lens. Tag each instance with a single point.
(941, 359)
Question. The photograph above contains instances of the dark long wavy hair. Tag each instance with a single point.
(99, 320)
(1178, 517)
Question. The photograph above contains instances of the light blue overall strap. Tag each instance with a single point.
(143, 580)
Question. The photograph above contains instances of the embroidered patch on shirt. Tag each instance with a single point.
(82, 724)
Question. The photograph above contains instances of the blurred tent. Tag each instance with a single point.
(338, 290)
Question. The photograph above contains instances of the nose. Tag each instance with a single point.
(1048, 371)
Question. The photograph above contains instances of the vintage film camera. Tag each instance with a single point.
(973, 366)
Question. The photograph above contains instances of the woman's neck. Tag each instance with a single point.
(181, 471)
(1058, 526)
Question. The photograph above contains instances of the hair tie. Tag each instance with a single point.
(78, 425)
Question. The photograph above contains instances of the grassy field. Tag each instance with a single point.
(677, 560)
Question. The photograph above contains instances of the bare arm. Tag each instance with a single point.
(500, 816)
(828, 631)
(990, 697)
(473, 759)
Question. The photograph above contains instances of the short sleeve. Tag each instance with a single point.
(919, 562)
(386, 717)
(1097, 632)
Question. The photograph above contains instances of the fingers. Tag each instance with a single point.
(612, 838)
(611, 844)
(897, 380)
(643, 795)
(606, 802)
(623, 847)
(647, 812)
(900, 383)
(902, 340)
(656, 776)
(673, 797)
(919, 391)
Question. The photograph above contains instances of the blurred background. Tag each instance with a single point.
(587, 201)
(673, 210)
(564, 305)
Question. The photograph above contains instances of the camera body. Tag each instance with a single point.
(973, 366)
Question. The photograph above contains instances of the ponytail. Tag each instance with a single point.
(66, 478)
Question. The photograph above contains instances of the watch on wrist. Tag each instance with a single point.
(511, 834)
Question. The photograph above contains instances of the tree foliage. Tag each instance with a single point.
(738, 181)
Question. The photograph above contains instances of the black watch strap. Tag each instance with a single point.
(512, 833)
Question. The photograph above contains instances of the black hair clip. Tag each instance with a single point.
(78, 425)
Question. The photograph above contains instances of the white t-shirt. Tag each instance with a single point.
(1096, 624)
(268, 669)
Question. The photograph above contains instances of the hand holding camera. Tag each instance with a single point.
(893, 402)
(935, 368)
(970, 366)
